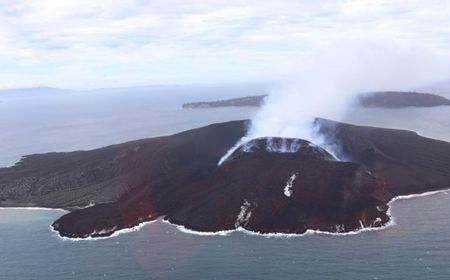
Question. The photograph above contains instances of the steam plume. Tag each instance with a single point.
(326, 86)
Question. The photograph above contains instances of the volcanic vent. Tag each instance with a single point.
(295, 146)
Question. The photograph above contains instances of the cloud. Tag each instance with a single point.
(80, 43)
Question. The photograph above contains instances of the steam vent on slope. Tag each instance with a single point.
(267, 185)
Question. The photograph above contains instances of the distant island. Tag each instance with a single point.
(18, 92)
(398, 99)
(382, 99)
(248, 101)
(268, 185)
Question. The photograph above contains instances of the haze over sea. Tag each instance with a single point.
(417, 247)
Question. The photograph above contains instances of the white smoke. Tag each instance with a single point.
(326, 85)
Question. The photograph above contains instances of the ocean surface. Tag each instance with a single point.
(416, 247)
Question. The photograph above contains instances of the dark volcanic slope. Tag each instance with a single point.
(405, 161)
(104, 175)
(267, 185)
(395, 99)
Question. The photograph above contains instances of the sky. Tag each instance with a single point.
(83, 44)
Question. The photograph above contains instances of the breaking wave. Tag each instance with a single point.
(309, 231)
(114, 234)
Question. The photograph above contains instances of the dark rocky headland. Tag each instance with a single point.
(267, 185)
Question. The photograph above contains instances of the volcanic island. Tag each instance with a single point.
(267, 185)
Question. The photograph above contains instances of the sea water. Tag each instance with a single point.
(416, 247)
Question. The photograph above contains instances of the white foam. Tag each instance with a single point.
(200, 233)
(272, 234)
(268, 235)
(400, 197)
(34, 209)
(312, 231)
(114, 234)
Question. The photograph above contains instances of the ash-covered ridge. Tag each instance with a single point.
(268, 185)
